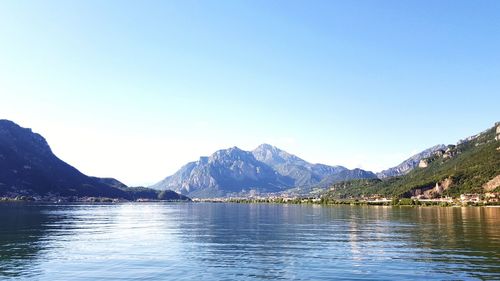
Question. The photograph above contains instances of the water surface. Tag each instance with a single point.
(189, 241)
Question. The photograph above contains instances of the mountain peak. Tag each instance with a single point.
(12, 134)
(232, 153)
(266, 146)
(229, 151)
(272, 155)
(7, 122)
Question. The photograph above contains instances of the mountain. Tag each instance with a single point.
(266, 169)
(410, 163)
(29, 167)
(346, 175)
(303, 173)
(470, 166)
(226, 171)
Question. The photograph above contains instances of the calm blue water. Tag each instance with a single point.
(197, 241)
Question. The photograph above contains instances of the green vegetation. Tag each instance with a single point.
(407, 202)
(136, 193)
(351, 189)
(469, 166)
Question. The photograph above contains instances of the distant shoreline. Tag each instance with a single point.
(27, 199)
(393, 203)
(249, 202)
(407, 202)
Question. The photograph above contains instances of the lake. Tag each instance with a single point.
(216, 241)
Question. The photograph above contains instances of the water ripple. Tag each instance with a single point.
(157, 241)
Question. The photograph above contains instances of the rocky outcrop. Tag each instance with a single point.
(423, 163)
(432, 191)
(442, 186)
(493, 184)
(497, 132)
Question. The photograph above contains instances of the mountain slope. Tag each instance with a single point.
(410, 163)
(266, 169)
(28, 167)
(470, 166)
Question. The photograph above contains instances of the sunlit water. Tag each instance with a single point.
(195, 241)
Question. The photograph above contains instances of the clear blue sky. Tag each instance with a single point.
(135, 89)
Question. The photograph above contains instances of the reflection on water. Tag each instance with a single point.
(247, 242)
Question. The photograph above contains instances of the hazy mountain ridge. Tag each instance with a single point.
(410, 163)
(265, 169)
(303, 173)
